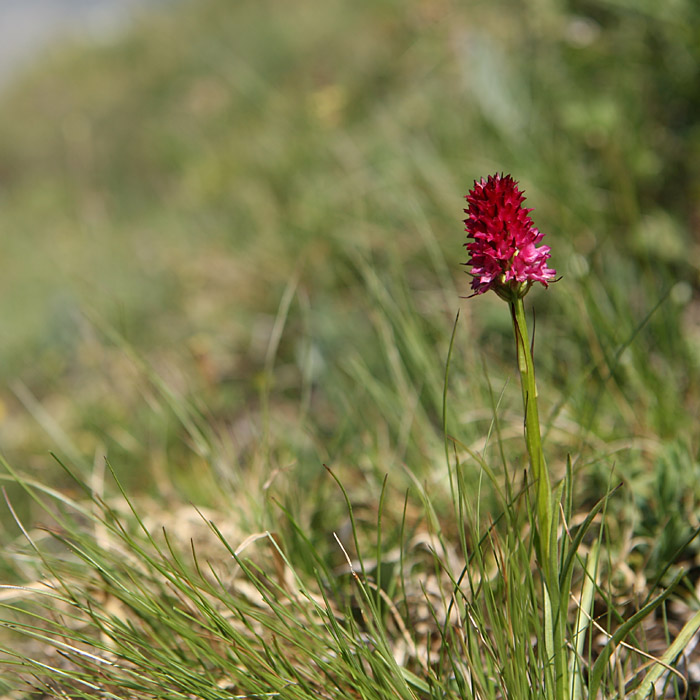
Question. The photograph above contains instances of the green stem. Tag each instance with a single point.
(555, 599)
(554, 621)
(533, 439)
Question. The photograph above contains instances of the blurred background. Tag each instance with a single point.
(219, 205)
(29, 26)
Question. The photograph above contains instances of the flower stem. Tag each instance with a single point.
(554, 614)
(533, 439)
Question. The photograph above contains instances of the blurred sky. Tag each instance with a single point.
(27, 26)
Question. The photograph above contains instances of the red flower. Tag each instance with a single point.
(503, 252)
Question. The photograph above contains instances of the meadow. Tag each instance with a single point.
(256, 439)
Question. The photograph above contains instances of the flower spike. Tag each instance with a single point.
(503, 248)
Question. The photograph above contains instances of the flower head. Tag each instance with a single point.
(502, 249)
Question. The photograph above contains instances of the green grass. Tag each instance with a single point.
(232, 256)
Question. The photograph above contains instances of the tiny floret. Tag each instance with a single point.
(502, 245)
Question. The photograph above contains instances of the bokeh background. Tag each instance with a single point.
(253, 209)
